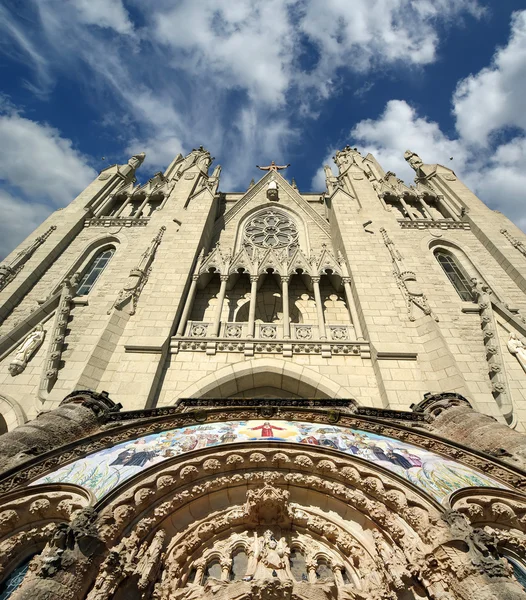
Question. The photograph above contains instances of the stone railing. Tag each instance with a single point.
(269, 340)
(120, 221)
(300, 332)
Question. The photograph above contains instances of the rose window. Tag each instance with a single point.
(271, 229)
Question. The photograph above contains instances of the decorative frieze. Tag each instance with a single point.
(269, 346)
(9, 271)
(430, 224)
(117, 222)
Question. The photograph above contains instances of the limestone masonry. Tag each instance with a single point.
(265, 393)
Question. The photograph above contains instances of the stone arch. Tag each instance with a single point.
(11, 412)
(243, 376)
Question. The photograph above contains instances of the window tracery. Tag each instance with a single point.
(271, 229)
(95, 268)
(455, 274)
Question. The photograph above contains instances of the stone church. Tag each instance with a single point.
(267, 393)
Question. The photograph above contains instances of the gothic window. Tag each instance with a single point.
(298, 565)
(323, 570)
(271, 229)
(95, 268)
(213, 569)
(239, 565)
(14, 580)
(455, 274)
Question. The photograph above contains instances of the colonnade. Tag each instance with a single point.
(254, 280)
(426, 211)
(106, 207)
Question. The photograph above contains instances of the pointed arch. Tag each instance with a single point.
(265, 372)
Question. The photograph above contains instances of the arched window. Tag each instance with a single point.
(298, 565)
(455, 274)
(323, 570)
(239, 564)
(95, 268)
(14, 580)
(213, 569)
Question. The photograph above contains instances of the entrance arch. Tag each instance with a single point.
(289, 379)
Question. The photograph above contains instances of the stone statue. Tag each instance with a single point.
(518, 349)
(413, 159)
(273, 167)
(269, 558)
(28, 347)
(136, 161)
(198, 156)
(272, 190)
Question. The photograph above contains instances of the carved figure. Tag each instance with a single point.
(518, 349)
(200, 157)
(413, 159)
(273, 167)
(26, 350)
(270, 558)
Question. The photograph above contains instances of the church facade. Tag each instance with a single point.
(266, 393)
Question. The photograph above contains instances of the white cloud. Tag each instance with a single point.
(494, 97)
(39, 162)
(104, 13)
(399, 128)
(19, 219)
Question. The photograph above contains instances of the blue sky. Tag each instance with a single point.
(253, 81)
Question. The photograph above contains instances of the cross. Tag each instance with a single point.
(273, 167)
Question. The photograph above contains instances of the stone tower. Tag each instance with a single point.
(265, 394)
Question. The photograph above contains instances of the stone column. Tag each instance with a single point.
(226, 563)
(199, 572)
(425, 208)
(141, 207)
(352, 308)
(338, 577)
(252, 306)
(79, 415)
(188, 305)
(126, 202)
(453, 417)
(407, 210)
(219, 308)
(103, 208)
(285, 301)
(311, 572)
(319, 307)
(443, 202)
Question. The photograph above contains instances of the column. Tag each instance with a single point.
(425, 208)
(103, 208)
(126, 202)
(311, 571)
(188, 305)
(285, 301)
(199, 571)
(445, 203)
(141, 207)
(407, 209)
(252, 307)
(226, 563)
(219, 308)
(353, 312)
(319, 307)
(338, 577)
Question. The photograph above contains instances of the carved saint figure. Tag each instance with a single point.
(518, 349)
(24, 353)
(269, 558)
